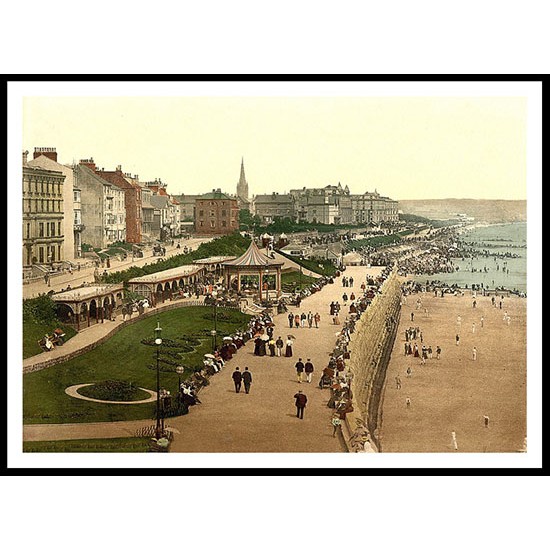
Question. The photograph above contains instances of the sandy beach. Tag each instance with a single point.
(456, 392)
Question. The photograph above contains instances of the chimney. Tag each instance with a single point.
(45, 151)
(25, 154)
(119, 168)
(89, 163)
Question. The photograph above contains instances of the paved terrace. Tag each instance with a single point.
(262, 421)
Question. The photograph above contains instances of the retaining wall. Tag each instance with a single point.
(370, 350)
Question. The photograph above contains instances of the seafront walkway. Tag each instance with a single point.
(263, 420)
(86, 273)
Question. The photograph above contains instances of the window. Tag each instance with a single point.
(28, 230)
(40, 229)
(224, 213)
(47, 229)
(59, 228)
(224, 223)
(212, 223)
(201, 223)
(201, 213)
(53, 229)
(41, 254)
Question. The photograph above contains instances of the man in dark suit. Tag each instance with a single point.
(301, 400)
(247, 379)
(237, 378)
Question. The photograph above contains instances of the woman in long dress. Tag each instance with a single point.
(288, 349)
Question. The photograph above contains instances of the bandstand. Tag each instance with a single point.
(254, 273)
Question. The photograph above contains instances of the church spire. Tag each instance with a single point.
(242, 186)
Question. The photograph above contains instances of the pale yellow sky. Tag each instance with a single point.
(405, 147)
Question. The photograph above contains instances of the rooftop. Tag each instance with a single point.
(86, 293)
(168, 274)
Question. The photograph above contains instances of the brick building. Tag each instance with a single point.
(132, 200)
(216, 214)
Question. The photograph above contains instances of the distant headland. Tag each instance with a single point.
(482, 210)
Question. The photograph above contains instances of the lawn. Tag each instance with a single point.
(114, 445)
(123, 357)
(293, 280)
(35, 330)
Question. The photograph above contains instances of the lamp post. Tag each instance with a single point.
(158, 342)
(214, 331)
(180, 371)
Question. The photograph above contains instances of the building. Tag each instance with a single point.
(328, 205)
(274, 206)
(242, 190)
(147, 216)
(371, 208)
(43, 215)
(132, 200)
(187, 206)
(216, 214)
(46, 157)
(103, 214)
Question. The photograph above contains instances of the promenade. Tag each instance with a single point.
(86, 273)
(454, 393)
(263, 420)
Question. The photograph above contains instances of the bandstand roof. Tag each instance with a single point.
(168, 274)
(252, 258)
(83, 293)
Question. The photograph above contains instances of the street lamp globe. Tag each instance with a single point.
(180, 370)
(158, 330)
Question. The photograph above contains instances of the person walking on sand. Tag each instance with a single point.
(303, 318)
(279, 344)
(457, 338)
(317, 319)
(301, 400)
(308, 368)
(288, 349)
(473, 328)
(455, 444)
(486, 420)
(237, 379)
(397, 383)
(290, 320)
(474, 353)
(297, 320)
(299, 366)
(247, 379)
(438, 352)
(481, 321)
(409, 372)
(412, 315)
(310, 319)
(408, 402)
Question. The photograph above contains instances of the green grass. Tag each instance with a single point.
(292, 279)
(35, 330)
(327, 268)
(115, 445)
(122, 357)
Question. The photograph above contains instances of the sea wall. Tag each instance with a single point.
(370, 350)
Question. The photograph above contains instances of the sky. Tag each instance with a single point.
(405, 147)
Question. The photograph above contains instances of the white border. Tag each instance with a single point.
(531, 90)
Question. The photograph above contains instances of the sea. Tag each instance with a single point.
(511, 273)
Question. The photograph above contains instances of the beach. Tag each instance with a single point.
(456, 392)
